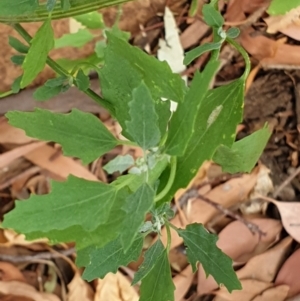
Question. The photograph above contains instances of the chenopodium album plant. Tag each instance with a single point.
(107, 221)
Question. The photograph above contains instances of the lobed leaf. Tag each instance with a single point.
(243, 154)
(143, 126)
(110, 257)
(82, 81)
(136, 206)
(35, 59)
(45, 92)
(77, 39)
(80, 134)
(201, 247)
(158, 283)
(150, 258)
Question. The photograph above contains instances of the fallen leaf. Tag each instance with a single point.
(9, 272)
(25, 290)
(182, 282)
(115, 287)
(79, 290)
(60, 166)
(240, 244)
(289, 274)
(278, 293)
(251, 288)
(265, 266)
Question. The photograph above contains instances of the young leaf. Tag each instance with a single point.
(219, 114)
(18, 59)
(86, 142)
(233, 32)
(17, 7)
(150, 259)
(110, 257)
(158, 284)
(136, 206)
(56, 82)
(184, 118)
(35, 59)
(92, 20)
(120, 164)
(198, 51)
(212, 16)
(143, 126)
(45, 92)
(17, 45)
(15, 87)
(77, 39)
(50, 5)
(243, 154)
(201, 247)
(68, 204)
(82, 81)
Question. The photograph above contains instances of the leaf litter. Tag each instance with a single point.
(266, 265)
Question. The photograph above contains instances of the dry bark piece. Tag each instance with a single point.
(289, 274)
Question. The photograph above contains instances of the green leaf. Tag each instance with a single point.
(110, 257)
(124, 69)
(86, 142)
(193, 8)
(18, 59)
(150, 259)
(15, 87)
(219, 114)
(35, 59)
(17, 7)
(184, 118)
(92, 20)
(143, 126)
(136, 206)
(117, 32)
(68, 204)
(82, 81)
(120, 164)
(243, 154)
(56, 82)
(45, 92)
(65, 4)
(77, 39)
(279, 7)
(50, 5)
(212, 17)
(233, 32)
(201, 247)
(17, 45)
(158, 283)
(99, 48)
(198, 51)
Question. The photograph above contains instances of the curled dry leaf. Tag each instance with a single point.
(182, 282)
(265, 266)
(228, 194)
(289, 274)
(79, 290)
(240, 244)
(21, 289)
(251, 288)
(9, 272)
(278, 293)
(115, 287)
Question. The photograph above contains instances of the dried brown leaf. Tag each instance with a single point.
(182, 282)
(79, 290)
(9, 272)
(278, 293)
(289, 274)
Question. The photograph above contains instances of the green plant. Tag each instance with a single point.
(107, 221)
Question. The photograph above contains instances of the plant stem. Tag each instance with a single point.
(244, 54)
(166, 189)
(169, 238)
(61, 71)
(7, 93)
(127, 142)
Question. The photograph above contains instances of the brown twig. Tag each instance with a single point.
(38, 256)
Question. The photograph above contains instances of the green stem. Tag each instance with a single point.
(244, 54)
(61, 71)
(166, 189)
(169, 237)
(5, 94)
(127, 142)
